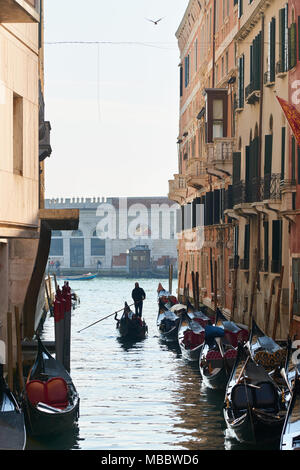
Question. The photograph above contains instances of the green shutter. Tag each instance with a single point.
(282, 38)
(268, 154)
(236, 173)
(272, 49)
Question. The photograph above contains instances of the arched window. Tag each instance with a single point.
(97, 245)
(56, 247)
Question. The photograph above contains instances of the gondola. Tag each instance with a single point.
(168, 322)
(265, 351)
(165, 297)
(51, 401)
(130, 326)
(197, 315)
(191, 337)
(254, 406)
(219, 352)
(290, 437)
(12, 423)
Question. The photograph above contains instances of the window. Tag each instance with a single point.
(196, 55)
(241, 82)
(276, 245)
(292, 44)
(271, 50)
(56, 247)
(17, 135)
(216, 113)
(97, 245)
(283, 40)
(187, 70)
(240, 8)
(181, 80)
(246, 246)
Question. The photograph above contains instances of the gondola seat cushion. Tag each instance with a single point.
(265, 395)
(54, 392)
(192, 340)
(57, 392)
(242, 397)
(35, 390)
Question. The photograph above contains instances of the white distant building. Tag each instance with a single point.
(109, 230)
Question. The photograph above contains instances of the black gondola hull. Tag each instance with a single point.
(42, 419)
(131, 330)
(41, 423)
(253, 428)
(12, 431)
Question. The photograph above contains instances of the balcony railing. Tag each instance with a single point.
(219, 154)
(252, 93)
(177, 188)
(196, 173)
(257, 189)
(19, 11)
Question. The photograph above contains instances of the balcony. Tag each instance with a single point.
(177, 188)
(257, 189)
(219, 155)
(196, 173)
(19, 11)
(252, 93)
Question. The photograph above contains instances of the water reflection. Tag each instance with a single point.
(140, 395)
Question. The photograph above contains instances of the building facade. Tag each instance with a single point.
(109, 231)
(206, 144)
(238, 159)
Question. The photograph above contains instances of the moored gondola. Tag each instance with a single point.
(265, 351)
(219, 352)
(51, 401)
(130, 326)
(165, 297)
(255, 406)
(168, 322)
(290, 437)
(197, 315)
(12, 424)
(191, 337)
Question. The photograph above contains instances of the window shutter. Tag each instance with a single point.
(241, 81)
(236, 174)
(282, 152)
(268, 154)
(272, 41)
(282, 39)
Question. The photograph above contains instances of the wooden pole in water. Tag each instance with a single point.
(277, 306)
(194, 288)
(197, 291)
(292, 299)
(254, 286)
(170, 277)
(19, 349)
(267, 319)
(215, 286)
(9, 352)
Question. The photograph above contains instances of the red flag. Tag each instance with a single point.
(293, 117)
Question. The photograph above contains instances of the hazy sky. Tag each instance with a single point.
(113, 108)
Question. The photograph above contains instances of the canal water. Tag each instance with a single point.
(142, 396)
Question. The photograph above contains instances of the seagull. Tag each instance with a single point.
(155, 22)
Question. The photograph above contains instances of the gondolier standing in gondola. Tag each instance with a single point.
(138, 296)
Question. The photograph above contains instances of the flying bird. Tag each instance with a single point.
(156, 21)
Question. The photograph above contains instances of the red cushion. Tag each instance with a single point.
(54, 392)
(191, 340)
(35, 390)
(231, 354)
(213, 355)
(57, 392)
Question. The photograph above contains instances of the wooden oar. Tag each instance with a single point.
(114, 313)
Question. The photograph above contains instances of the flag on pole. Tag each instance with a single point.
(293, 117)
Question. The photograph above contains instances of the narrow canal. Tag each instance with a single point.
(137, 397)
